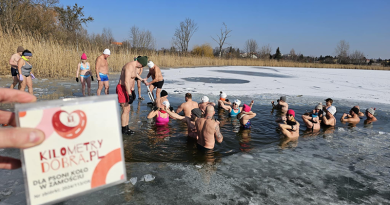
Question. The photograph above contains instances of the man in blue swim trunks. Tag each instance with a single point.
(101, 67)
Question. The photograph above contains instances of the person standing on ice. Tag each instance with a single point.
(125, 90)
(157, 80)
(101, 67)
(282, 104)
(13, 61)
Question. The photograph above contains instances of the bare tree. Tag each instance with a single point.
(293, 55)
(141, 39)
(251, 47)
(357, 57)
(221, 38)
(265, 51)
(107, 36)
(342, 50)
(184, 33)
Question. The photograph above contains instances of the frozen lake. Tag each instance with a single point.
(345, 165)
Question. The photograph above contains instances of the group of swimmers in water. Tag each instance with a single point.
(199, 117)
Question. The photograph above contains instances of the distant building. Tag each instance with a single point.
(116, 43)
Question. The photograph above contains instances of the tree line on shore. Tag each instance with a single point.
(65, 25)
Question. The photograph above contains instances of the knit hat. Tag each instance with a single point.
(164, 93)
(197, 112)
(283, 98)
(143, 60)
(20, 49)
(237, 102)
(205, 99)
(370, 110)
(107, 51)
(84, 57)
(222, 94)
(332, 110)
(246, 108)
(319, 106)
(150, 64)
(291, 112)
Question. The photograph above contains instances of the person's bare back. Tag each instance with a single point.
(187, 107)
(208, 130)
(156, 74)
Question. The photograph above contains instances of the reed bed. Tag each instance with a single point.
(53, 59)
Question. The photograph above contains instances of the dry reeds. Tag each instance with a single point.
(53, 59)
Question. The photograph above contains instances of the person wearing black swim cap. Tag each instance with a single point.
(353, 116)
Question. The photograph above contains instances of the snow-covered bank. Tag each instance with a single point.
(359, 85)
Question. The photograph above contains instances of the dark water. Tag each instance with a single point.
(216, 80)
(345, 165)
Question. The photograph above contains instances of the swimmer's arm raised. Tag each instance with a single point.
(218, 134)
(325, 120)
(228, 108)
(179, 109)
(342, 119)
(152, 114)
(250, 115)
(252, 102)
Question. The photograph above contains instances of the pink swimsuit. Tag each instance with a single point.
(162, 121)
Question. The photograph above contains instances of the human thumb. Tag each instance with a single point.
(20, 137)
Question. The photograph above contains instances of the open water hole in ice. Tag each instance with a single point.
(345, 165)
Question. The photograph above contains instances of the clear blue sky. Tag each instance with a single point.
(309, 26)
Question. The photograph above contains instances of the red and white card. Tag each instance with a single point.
(82, 152)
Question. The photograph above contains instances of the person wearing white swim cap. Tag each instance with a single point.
(101, 67)
(328, 117)
(235, 109)
(157, 80)
(205, 102)
(223, 98)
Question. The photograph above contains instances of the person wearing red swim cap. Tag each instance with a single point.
(289, 126)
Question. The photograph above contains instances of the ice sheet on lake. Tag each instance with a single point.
(358, 85)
